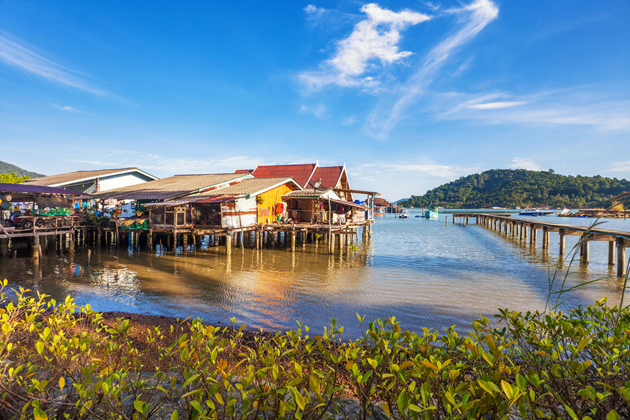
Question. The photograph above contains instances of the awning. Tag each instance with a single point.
(346, 203)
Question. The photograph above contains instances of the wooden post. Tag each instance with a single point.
(611, 253)
(332, 244)
(621, 257)
(150, 240)
(35, 248)
(562, 235)
(71, 241)
(584, 251)
(532, 234)
(293, 240)
(545, 243)
(185, 242)
(228, 244)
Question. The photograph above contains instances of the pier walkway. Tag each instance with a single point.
(519, 228)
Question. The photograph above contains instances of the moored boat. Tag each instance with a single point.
(403, 214)
(535, 212)
(431, 213)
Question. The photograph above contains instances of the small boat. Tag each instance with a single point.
(431, 213)
(403, 215)
(535, 212)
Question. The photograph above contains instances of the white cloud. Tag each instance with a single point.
(19, 55)
(524, 163)
(319, 110)
(374, 39)
(349, 120)
(67, 108)
(497, 105)
(476, 17)
(620, 167)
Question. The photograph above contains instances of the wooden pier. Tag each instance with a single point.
(617, 240)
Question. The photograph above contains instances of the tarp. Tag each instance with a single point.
(35, 189)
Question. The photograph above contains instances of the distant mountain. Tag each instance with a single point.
(519, 187)
(7, 168)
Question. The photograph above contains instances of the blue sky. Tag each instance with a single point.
(408, 95)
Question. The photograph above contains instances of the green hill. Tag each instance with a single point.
(519, 187)
(7, 168)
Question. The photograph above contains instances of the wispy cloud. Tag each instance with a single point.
(374, 40)
(620, 167)
(497, 105)
(349, 120)
(319, 110)
(67, 108)
(21, 56)
(475, 18)
(579, 107)
(524, 163)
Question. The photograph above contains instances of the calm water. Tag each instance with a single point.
(422, 272)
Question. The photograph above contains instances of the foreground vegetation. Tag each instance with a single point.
(511, 188)
(58, 360)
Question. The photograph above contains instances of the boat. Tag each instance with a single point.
(403, 214)
(431, 213)
(535, 212)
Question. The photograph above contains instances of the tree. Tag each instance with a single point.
(13, 178)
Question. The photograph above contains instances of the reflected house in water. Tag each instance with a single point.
(91, 182)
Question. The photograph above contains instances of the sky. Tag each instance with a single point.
(407, 94)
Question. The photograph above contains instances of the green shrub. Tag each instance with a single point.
(59, 360)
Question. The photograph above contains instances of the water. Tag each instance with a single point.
(422, 272)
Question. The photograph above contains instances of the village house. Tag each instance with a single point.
(92, 182)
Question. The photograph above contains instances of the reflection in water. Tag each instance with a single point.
(421, 271)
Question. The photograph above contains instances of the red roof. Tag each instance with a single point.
(329, 174)
(243, 171)
(300, 173)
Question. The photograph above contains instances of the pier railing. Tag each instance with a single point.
(617, 240)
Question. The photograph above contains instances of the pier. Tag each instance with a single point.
(617, 240)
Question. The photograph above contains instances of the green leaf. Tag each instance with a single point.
(40, 347)
(403, 402)
(138, 405)
(38, 414)
(175, 415)
(612, 415)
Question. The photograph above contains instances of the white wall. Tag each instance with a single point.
(230, 213)
(132, 178)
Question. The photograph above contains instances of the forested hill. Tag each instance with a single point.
(519, 187)
(7, 168)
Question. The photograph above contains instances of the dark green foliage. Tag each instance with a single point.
(7, 168)
(520, 187)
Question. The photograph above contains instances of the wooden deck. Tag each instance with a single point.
(519, 228)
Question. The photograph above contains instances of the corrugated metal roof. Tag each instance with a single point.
(172, 187)
(253, 185)
(308, 193)
(329, 175)
(75, 176)
(35, 189)
(243, 171)
(194, 199)
(300, 173)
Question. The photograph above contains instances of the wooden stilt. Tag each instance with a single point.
(621, 257)
(562, 242)
(611, 252)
